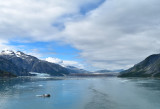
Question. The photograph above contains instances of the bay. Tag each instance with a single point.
(80, 93)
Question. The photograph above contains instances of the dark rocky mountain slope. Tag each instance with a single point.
(150, 67)
(8, 66)
(33, 64)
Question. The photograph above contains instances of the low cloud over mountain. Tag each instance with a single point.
(64, 63)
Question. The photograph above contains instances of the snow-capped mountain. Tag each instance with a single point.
(33, 64)
(10, 54)
(7, 52)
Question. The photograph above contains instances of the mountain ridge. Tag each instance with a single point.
(109, 71)
(33, 64)
(149, 67)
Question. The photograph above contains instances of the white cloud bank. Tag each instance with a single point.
(117, 34)
(35, 19)
(64, 63)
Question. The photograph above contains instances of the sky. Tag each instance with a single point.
(89, 34)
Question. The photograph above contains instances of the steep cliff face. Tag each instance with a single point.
(150, 67)
(8, 66)
(33, 64)
(50, 68)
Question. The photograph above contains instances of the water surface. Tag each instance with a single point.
(80, 93)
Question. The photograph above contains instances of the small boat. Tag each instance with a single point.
(44, 95)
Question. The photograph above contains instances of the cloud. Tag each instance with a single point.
(54, 60)
(4, 45)
(64, 62)
(34, 52)
(116, 34)
(37, 19)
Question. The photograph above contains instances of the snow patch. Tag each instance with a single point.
(7, 52)
(40, 74)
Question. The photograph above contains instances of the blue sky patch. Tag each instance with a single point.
(90, 6)
(49, 49)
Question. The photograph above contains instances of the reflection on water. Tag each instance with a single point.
(152, 84)
(79, 93)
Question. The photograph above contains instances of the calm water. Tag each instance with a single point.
(80, 93)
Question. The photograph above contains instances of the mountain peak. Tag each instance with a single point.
(11, 53)
(146, 68)
(19, 53)
(7, 52)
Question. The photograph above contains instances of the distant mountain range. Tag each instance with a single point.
(150, 67)
(73, 69)
(109, 71)
(21, 64)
